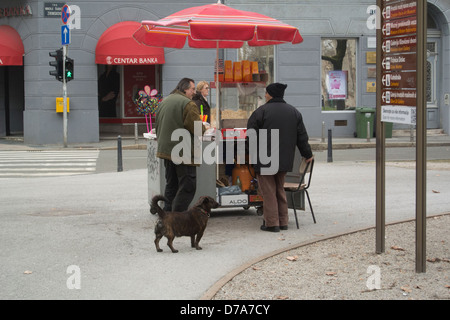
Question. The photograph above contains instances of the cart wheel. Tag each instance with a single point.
(259, 211)
(246, 207)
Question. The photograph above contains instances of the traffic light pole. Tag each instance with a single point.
(64, 97)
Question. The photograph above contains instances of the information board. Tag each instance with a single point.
(399, 61)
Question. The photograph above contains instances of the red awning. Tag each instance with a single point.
(11, 47)
(117, 46)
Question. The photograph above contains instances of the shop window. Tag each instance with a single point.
(338, 74)
(263, 55)
(119, 85)
(135, 79)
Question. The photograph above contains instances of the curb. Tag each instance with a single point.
(211, 292)
(321, 146)
(361, 145)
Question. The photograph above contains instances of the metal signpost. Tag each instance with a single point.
(401, 61)
(65, 41)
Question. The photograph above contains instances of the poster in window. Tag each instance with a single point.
(337, 85)
(135, 79)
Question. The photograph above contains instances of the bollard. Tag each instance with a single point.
(330, 148)
(119, 154)
(135, 133)
(368, 131)
(323, 131)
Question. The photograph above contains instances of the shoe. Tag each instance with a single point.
(271, 229)
(283, 227)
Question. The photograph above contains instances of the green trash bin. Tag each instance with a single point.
(364, 115)
(388, 129)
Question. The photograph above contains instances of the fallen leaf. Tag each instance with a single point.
(282, 297)
(256, 268)
(447, 286)
(27, 272)
(434, 191)
(406, 289)
(292, 258)
(397, 248)
(330, 273)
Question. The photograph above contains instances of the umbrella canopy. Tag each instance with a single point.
(216, 26)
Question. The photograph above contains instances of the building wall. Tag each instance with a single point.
(297, 65)
(40, 35)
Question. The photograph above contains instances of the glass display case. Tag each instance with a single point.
(237, 102)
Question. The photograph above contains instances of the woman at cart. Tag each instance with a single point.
(200, 99)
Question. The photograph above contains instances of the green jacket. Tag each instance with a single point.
(176, 111)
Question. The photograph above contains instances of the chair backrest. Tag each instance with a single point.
(304, 169)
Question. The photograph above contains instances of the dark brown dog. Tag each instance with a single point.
(177, 224)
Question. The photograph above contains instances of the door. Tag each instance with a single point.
(431, 86)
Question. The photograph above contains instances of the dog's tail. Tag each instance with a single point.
(155, 208)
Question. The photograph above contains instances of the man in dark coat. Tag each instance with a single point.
(108, 91)
(277, 115)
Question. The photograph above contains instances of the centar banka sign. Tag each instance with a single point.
(150, 60)
(15, 11)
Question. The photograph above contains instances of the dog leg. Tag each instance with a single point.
(197, 240)
(169, 243)
(193, 241)
(158, 237)
(159, 234)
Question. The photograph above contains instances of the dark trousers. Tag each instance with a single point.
(181, 182)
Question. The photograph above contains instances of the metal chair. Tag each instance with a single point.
(301, 186)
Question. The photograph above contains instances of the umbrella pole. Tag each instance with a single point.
(217, 110)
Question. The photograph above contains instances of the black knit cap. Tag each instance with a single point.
(276, 90)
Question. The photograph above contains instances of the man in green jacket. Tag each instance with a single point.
(178, 111)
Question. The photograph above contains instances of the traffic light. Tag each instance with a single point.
(69, 69)
(58, 64)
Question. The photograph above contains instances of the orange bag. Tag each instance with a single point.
(255, 67)
(237, 71)
(246, 71)
(228, 70)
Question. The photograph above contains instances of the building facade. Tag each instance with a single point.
(101, 39)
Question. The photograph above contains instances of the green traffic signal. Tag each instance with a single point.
(69, 69)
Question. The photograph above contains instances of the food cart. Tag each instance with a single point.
(222, 178)
(216, 26)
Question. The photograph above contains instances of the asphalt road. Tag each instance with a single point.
(137, 159)
(100, 224)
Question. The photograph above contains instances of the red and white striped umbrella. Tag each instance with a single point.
(216, 26)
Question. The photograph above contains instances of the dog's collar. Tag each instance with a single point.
(204, 211)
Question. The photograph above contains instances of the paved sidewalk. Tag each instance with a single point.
(101, 224)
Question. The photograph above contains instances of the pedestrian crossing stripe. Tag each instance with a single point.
(35, 163)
